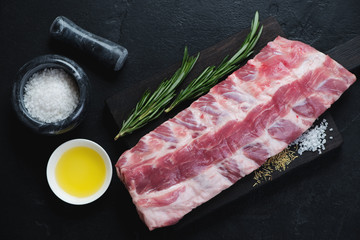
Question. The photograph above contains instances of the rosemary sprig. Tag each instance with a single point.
(211, 75)
(151, 105)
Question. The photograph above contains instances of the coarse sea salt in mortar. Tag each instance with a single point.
(51, 95)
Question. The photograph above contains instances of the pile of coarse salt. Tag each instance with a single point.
(313, 139)
(50, 95)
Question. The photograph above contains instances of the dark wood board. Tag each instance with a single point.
(121, 104)
(347, 54)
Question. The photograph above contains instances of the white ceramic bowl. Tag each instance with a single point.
(53, 160)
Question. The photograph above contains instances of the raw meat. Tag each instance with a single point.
(231, 131)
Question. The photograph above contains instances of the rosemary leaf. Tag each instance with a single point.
(151, 105)
(211, 75)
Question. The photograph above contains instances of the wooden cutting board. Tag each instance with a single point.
(121, 104)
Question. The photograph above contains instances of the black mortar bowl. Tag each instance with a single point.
(38, 64)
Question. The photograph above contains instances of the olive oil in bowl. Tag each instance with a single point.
(79, 171)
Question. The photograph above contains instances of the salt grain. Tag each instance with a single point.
(50, 95)
(313, 139)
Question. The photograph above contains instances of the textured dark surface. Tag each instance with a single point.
(318, 201)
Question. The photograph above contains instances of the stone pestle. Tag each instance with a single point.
(105, 51)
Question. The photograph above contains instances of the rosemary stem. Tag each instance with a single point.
(151, 105)
(203, 83)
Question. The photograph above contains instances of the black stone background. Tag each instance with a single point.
(318, 201)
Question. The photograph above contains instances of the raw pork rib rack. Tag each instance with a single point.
(231, 131)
